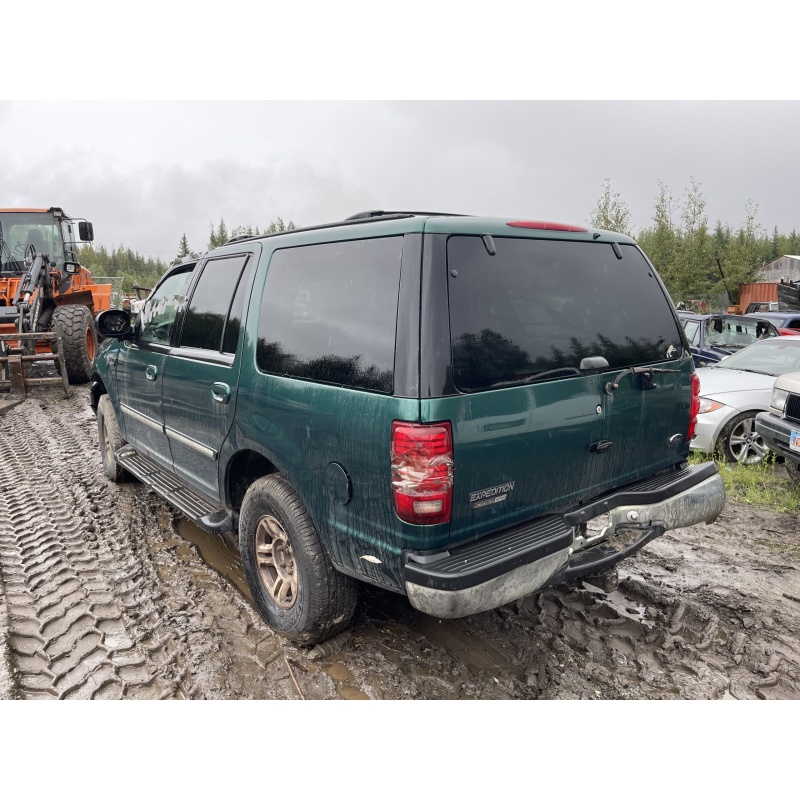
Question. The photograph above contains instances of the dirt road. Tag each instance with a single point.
(106, 592)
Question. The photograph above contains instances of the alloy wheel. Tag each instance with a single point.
(746, 446)
(275, 559)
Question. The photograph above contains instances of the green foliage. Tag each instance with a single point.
(122, 262)
(611, 213)
(757, 484)
(690, 259)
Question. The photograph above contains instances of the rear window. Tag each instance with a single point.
(538, 307)
(329, 313)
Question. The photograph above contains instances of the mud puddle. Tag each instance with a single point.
(107, 592)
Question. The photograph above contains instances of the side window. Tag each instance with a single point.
(158, 314)
(692, 328)
(204, 323)
(329, 313)
(230, 338)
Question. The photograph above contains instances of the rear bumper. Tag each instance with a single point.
(510, 564)
(776, 432)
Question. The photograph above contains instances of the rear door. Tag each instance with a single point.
(201, 374)
(534, 425)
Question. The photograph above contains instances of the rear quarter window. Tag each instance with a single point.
(329, 313)
(538, 307)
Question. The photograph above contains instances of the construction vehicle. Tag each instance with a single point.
(45, 291)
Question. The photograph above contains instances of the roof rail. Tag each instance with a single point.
(373, 214)
(355, 219)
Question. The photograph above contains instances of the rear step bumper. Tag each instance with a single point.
(203, 513)
(510, 564)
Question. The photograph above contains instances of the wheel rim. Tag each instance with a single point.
(275, 560)
(746, 446)
(90, 344)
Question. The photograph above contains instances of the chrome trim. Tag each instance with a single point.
(139, 417)
(208, 452)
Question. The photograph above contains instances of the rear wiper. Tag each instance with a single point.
(561, 372)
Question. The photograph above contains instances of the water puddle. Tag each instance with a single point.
(218, 553)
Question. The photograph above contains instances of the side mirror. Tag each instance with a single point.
(114, 323)
(86, 231)
(72, 267)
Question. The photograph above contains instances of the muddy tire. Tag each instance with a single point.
(75, 326)
(110, 440)
(294, 585)
(793, 468)
(739, 441)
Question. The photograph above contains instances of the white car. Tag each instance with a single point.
(734, 391)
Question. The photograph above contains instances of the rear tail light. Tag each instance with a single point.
(422, 472)
(546, 226)
(695, 407)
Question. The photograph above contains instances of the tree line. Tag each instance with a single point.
(695, 261)
(138, 270)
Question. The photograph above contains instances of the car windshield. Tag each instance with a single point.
(772, 357)
(734, 333)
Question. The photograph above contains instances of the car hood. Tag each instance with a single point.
(715, 381)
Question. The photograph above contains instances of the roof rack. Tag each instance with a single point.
(356, 219)
(362, 215)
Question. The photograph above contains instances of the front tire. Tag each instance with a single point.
(110, 440)
(739, 441)
(295, 586)
(75, 326)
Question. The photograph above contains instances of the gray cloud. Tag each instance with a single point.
(145, 173)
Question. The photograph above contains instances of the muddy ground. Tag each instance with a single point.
(106, 592)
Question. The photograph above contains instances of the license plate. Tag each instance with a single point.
(794, 440)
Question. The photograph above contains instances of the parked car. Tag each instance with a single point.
(734, 391)
(787, 322)
(712, 337)
(434, 404)
(780, 426)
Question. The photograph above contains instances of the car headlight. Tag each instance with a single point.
(707, 405)
(777, 402)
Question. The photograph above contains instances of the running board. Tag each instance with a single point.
(203, 513)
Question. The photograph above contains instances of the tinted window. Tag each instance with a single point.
(231, 337)
(211, 299)
(538, 307)
(158, 313)
(329, 313)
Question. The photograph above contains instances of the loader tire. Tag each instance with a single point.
(75, 326)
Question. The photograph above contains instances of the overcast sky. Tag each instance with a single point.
(146, 172)
(146, 168)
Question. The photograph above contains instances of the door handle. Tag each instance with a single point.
(151, 372)
(221, 392)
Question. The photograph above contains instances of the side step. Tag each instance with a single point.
(189, 502)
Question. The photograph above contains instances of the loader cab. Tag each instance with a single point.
(26, 233)
(49, 231)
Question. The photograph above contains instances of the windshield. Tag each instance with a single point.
(22, 228)
(734, 333)
(772, 357)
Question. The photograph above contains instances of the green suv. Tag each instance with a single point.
(435, 404)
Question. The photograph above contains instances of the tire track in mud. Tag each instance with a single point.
(82, 615)
(104, 598)
(106, 592)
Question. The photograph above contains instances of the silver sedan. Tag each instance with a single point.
(733, 391)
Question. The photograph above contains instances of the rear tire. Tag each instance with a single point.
(739, 441)
(75, 326)
(110, 440)
(295, 586)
